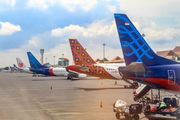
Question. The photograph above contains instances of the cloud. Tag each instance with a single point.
(8, 2)
(94, 29)
(148, 8)
(167, 34)
(40, 4)
(84, 4)
(31, 44)
(8, 28)
(71, 5)
(9, 57)
(71, 31)
(112, 8)
(96, 51)
(91, 37)
(13, 3)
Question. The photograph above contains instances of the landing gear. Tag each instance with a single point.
(70, 77)
(34, 75)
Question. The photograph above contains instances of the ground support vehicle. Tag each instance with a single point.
(128, 111)
(172, 111)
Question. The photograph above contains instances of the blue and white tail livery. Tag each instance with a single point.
(135, 48)
(34, 63)
(15, 67)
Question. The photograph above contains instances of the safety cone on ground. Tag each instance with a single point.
(101, 104)
(101, 82)
(163, 91)
(115, 82)
(51, 87)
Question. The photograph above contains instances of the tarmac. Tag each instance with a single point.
(24, 97)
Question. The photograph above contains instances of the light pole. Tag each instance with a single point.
(103, 51)
(54, 60)
(46, 60)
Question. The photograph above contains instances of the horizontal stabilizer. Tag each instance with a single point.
(82, 68)
(136, 67)
(33, 69)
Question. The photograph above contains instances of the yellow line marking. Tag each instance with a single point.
(41, 109)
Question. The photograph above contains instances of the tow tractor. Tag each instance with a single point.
(151, 111)
(172, 112)
(130, 112)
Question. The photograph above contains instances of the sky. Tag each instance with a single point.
(31, 25)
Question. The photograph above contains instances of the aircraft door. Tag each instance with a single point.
(171, 77)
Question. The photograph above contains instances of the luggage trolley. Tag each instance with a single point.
(128, 111)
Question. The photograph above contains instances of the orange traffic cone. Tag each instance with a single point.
(51, 87)
(101, 104)
(101, 82)
(163, 91)
(115, 82)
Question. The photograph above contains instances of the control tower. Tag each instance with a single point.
(42, 52)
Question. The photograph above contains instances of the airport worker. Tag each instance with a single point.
(162, 105)
(140, 101)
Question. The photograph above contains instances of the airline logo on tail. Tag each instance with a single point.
(34, 62)
(84, 63)
(80, 56)
(15, 67)
(130, 37)
(135, 48)
(20, 65)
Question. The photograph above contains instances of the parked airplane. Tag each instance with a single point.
(22, 67)
(50, 71)
(86, 65)
(8, 69)
(143, 65)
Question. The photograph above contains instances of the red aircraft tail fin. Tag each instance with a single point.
(80, 55)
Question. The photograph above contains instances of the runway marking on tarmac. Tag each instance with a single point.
(41, 109)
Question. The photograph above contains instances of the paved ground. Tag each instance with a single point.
(24, 97)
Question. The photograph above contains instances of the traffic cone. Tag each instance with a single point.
(51, 87)
(101, 104)
(115, 82)
(163, 91)
(101, 82)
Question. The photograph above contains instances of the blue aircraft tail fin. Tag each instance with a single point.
(15, 67)
(34, 63)
(135, 48)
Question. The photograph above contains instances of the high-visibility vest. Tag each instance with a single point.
(162, 105)
(144, 97)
